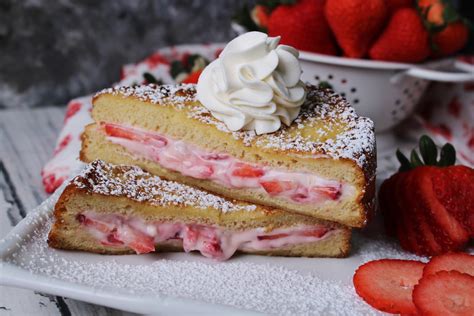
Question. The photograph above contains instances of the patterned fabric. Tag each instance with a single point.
(448, 111)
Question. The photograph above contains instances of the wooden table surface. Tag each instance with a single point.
(27, 138)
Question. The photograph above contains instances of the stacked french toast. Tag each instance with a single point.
(250, 159)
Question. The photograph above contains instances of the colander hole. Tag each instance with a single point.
(353, 89)
(316, 77)
(343, 94)
(397, 102)
(405, 91)
(343, 81)
(330, 77)
(356, 101)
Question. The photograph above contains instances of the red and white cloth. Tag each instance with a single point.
(448, 112)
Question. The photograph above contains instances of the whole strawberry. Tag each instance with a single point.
(356, 23)
(394, 5)
(449, 31)
(303, 26)
(260, 15)
(405, 39)
(429, 204)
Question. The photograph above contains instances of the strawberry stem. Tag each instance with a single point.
(429, 153)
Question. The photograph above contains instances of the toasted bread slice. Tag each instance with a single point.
(121, 209)
(323, 165)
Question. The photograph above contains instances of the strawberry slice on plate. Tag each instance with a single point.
(387, 284)
(445, 293)
(459, 261)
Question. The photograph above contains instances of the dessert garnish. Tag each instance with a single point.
(254, 84)
(443, 286)
(428, 205)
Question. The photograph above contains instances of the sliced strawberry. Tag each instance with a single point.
(95, 224)
(211, 250)
(447, 230)
(247, 171)
(319, 232)
(272, 237)
(112, 238)
(275, 187)
(387, 284)
(458, 261)
(115, 130)
(445, 293)
(331, 192)
(135, 239)
(140, 246)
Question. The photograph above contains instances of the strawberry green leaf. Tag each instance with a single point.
(415, 159)
(243, 18)
(428, 150)
(325, 85)
(450, 14)
(149, 78)
(404, 162)
(447, 156)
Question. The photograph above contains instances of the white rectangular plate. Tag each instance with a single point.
(188, 283)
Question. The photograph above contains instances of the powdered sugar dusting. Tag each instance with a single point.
(271, 286)
(176, 95)
(106, 179)
(355, 140)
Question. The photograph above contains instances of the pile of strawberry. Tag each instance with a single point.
(443, 286)
(429, 204)
(391, 30)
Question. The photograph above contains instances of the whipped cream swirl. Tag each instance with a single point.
(254, 84)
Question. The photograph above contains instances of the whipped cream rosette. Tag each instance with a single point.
(254, 84)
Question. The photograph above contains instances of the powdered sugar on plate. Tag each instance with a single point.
(272, 285)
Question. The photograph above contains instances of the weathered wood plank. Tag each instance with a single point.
(27, 139)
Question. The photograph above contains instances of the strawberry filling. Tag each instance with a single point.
(298, 187)
(212, 242)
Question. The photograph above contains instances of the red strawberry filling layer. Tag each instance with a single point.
(299, 187)
(212, 242)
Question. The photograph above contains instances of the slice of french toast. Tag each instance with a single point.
(322, 165)
(122, 209)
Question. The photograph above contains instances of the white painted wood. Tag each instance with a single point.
(27, 139)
